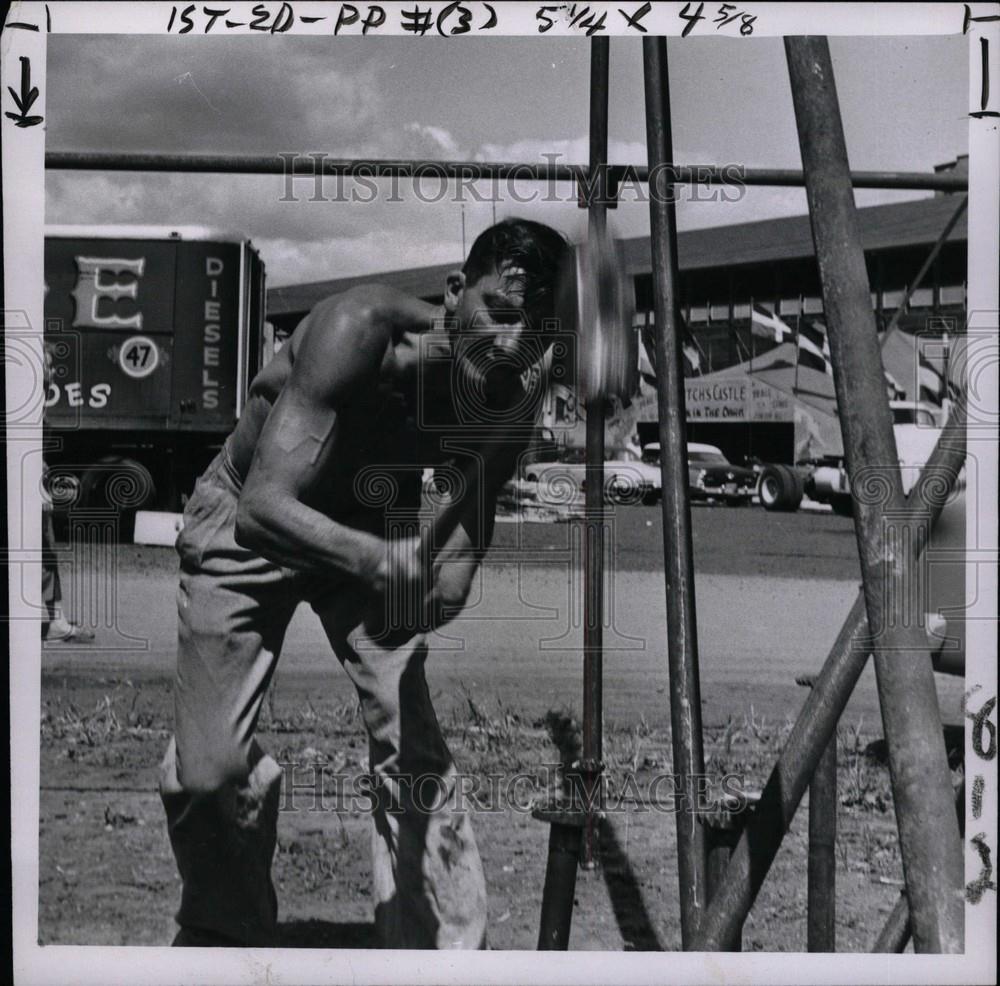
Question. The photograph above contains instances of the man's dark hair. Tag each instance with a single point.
(538, 250)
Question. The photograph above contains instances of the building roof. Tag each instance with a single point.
(423, 282)
(133, 231)
(883, 227)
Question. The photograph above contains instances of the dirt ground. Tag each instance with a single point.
(107, 875)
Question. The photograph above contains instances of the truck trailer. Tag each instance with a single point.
(153, 334)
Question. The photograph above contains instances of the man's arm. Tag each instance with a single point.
(457, 558)
(339, 356)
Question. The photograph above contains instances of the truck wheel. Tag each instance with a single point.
(120, 485)
(796, 488)
(843, 504)
(771, 486)
(780, 488)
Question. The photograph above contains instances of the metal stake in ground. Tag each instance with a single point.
(821, 879)
(593, 548)
(572, 837)
(558, 895)
(682, 645)
(723, 826)
(895, 932)
(928, 831)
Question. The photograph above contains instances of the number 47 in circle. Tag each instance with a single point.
(138, 357)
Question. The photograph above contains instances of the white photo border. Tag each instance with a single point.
(23, 221)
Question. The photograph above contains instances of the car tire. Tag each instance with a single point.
(651, 498)
(780, 489)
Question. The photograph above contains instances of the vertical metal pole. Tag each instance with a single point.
(921, 781)
(685, 692)
(573, 835)
(895, 935)
(593, 551)
(722, 832)
(719, 850)
(565, 837)
(821, 881)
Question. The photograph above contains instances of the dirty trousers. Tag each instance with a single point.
(222, 792)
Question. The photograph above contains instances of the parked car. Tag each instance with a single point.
(711, 476)
(626, 480)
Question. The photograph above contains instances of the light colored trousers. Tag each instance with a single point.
(51, 586)
(221, 791)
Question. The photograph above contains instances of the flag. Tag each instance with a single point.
(930, 381)
(893, 389)
(643, 321)
(814, 351)
(955, 366)
(647, 364)
(904, 358)
(764, 322)
(693, 353)
(693, 358)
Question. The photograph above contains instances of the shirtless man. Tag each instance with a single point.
(305, 503)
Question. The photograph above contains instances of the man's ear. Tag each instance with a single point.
(454, 288)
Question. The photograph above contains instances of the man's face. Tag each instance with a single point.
(497, 338)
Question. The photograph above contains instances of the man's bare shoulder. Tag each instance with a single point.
(341, 344)
(372, 308)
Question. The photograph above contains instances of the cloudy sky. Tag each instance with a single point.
(903, 102)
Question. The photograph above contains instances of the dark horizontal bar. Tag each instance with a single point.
(304, 165)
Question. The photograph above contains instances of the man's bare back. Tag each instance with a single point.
(379, 424)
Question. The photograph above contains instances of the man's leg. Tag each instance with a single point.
(429, 886)
(55, 627)
(224, 844)
(51, 587)
(219, 789)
